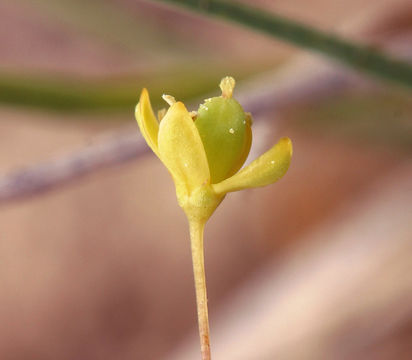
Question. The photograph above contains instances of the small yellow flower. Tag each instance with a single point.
(203, 151)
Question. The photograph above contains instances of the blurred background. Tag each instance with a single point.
(317, 266)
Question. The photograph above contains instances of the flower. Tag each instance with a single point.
(204, 150)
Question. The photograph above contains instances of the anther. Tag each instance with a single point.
(169, 99)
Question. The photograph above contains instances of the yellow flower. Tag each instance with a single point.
(204, 151)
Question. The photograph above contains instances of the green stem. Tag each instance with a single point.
(354, 55)
(196, 237)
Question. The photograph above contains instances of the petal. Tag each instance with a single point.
(265, 170)
(181, 149)
(148, 125)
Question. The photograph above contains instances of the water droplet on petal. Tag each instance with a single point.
(231, 130)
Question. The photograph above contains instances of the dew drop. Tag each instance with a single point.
(231, 130)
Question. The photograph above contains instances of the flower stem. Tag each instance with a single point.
(196, 238)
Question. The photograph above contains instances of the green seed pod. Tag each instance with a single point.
(225, 130)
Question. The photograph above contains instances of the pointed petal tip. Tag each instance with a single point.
(180, 106)
(177, 109)
(144, 92)
(285, 141)
(144, 98)
(146, 120)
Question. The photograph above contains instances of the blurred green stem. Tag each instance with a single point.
(354, 55)
(65, 95)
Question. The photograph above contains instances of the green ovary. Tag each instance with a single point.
(225, 132)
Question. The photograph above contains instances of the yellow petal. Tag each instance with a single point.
(181, 149)
(265, 170)
(149, 127)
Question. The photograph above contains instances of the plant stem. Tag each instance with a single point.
(360, 57)
(196, 239)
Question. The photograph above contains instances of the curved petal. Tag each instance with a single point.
(149, 127)
(181, 149)
(265, 170)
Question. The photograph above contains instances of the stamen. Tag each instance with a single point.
(169, 99)
(161, 114)
(227, 85)
(193, 115)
